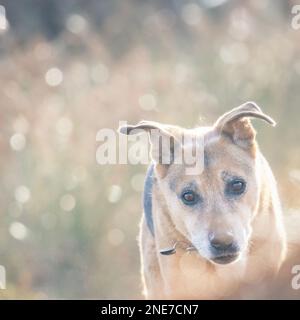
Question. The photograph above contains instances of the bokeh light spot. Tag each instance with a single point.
(64, 126)
(3, 20)
(147, 102)
(67, 202)
(17, 141)
(76, 24)
(137, 182)
(114, 194)
(22, 194)
(54, 77)
(18, 230)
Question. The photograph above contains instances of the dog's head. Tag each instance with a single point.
(213, 209)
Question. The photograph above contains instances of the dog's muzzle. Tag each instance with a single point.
(223, 248)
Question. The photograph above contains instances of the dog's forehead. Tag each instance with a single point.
(217, 148)
(220, 151)
(220, 156)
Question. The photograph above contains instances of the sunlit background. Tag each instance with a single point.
(68, 225)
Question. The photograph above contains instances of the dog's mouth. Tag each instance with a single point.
(225, 258)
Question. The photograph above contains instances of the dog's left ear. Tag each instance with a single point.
(236, 124)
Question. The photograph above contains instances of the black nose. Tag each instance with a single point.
(222, 241)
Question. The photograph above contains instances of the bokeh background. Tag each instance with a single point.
(68, 225)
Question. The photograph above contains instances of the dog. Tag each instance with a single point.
(214, 235)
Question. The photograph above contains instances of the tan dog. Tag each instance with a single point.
(226, 222)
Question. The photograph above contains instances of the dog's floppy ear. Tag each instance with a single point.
(162, 138)
(236, 124)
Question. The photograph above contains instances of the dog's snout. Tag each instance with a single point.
(221, 241)
(223, 247)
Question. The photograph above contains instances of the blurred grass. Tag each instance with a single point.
(74, 235)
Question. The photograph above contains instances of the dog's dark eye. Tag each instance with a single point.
(235, 187)
(189, 197)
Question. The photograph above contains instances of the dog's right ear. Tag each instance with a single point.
(163, 141)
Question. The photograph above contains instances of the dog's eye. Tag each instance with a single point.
(235, 187)
(189, 197)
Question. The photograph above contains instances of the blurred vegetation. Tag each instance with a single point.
(69, 68)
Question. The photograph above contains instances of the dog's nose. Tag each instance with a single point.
(221, 241)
